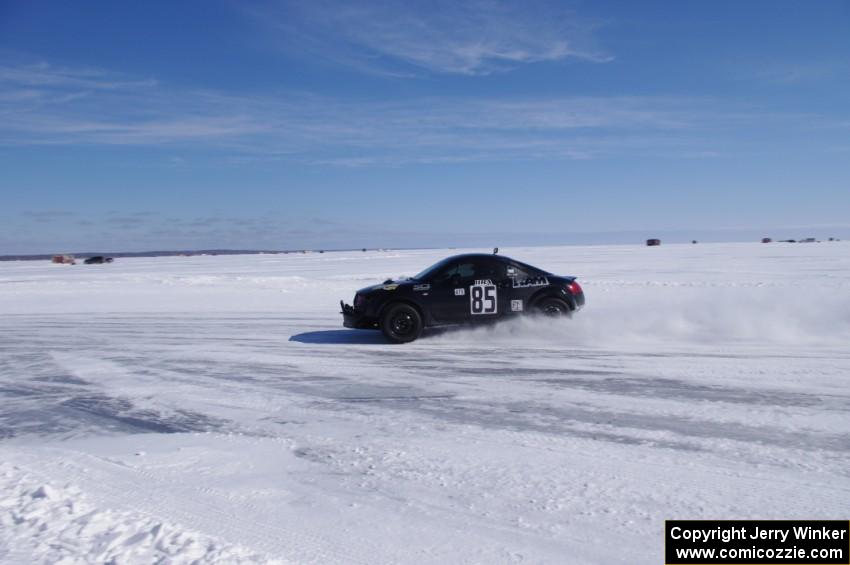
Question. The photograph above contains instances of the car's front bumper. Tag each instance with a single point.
(352, 318)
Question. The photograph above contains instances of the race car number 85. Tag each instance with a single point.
(482, 299)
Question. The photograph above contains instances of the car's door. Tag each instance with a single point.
(468, 289)
(450, 299)
(448, 294)
(488, 290)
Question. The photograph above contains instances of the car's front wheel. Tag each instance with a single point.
(401, 323)
(554, 307)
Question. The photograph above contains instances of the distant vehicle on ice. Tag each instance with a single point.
(653, 242)
(462, 289)
(98, 260)
(766, 240)
(64, 259)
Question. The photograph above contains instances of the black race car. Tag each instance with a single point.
(470, 288)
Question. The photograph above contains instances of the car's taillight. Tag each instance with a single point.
(359, 300)
(574, 288)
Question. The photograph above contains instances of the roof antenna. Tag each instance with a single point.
(495, 251)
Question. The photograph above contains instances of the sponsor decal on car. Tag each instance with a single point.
(516, 305)
(530, 281)
(422, 287)
(390, 286)
(460, 292)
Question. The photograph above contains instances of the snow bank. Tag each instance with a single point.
(48, 523)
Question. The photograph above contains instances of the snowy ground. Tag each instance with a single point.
(212, 408)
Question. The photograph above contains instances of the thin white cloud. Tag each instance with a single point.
(400, 38)
(45, 75)
(339, 131)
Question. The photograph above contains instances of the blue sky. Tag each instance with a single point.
(240, 124)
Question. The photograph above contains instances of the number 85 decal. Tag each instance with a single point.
(482, 299)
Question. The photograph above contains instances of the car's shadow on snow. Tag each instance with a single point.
(363, 337)
(349, 337)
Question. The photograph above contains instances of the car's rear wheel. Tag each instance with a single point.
(401, 323)
(554, 308)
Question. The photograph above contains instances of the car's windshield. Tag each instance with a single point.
(427, 273)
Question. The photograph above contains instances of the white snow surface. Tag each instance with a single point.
(213, 409)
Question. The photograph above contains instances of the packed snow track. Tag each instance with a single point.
(214, 409)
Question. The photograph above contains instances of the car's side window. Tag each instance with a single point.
(466, 271)
(445, 273)
(493, 270)
(517, 272)
(469, 271)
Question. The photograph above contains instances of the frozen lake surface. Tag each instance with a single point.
(213, 408)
